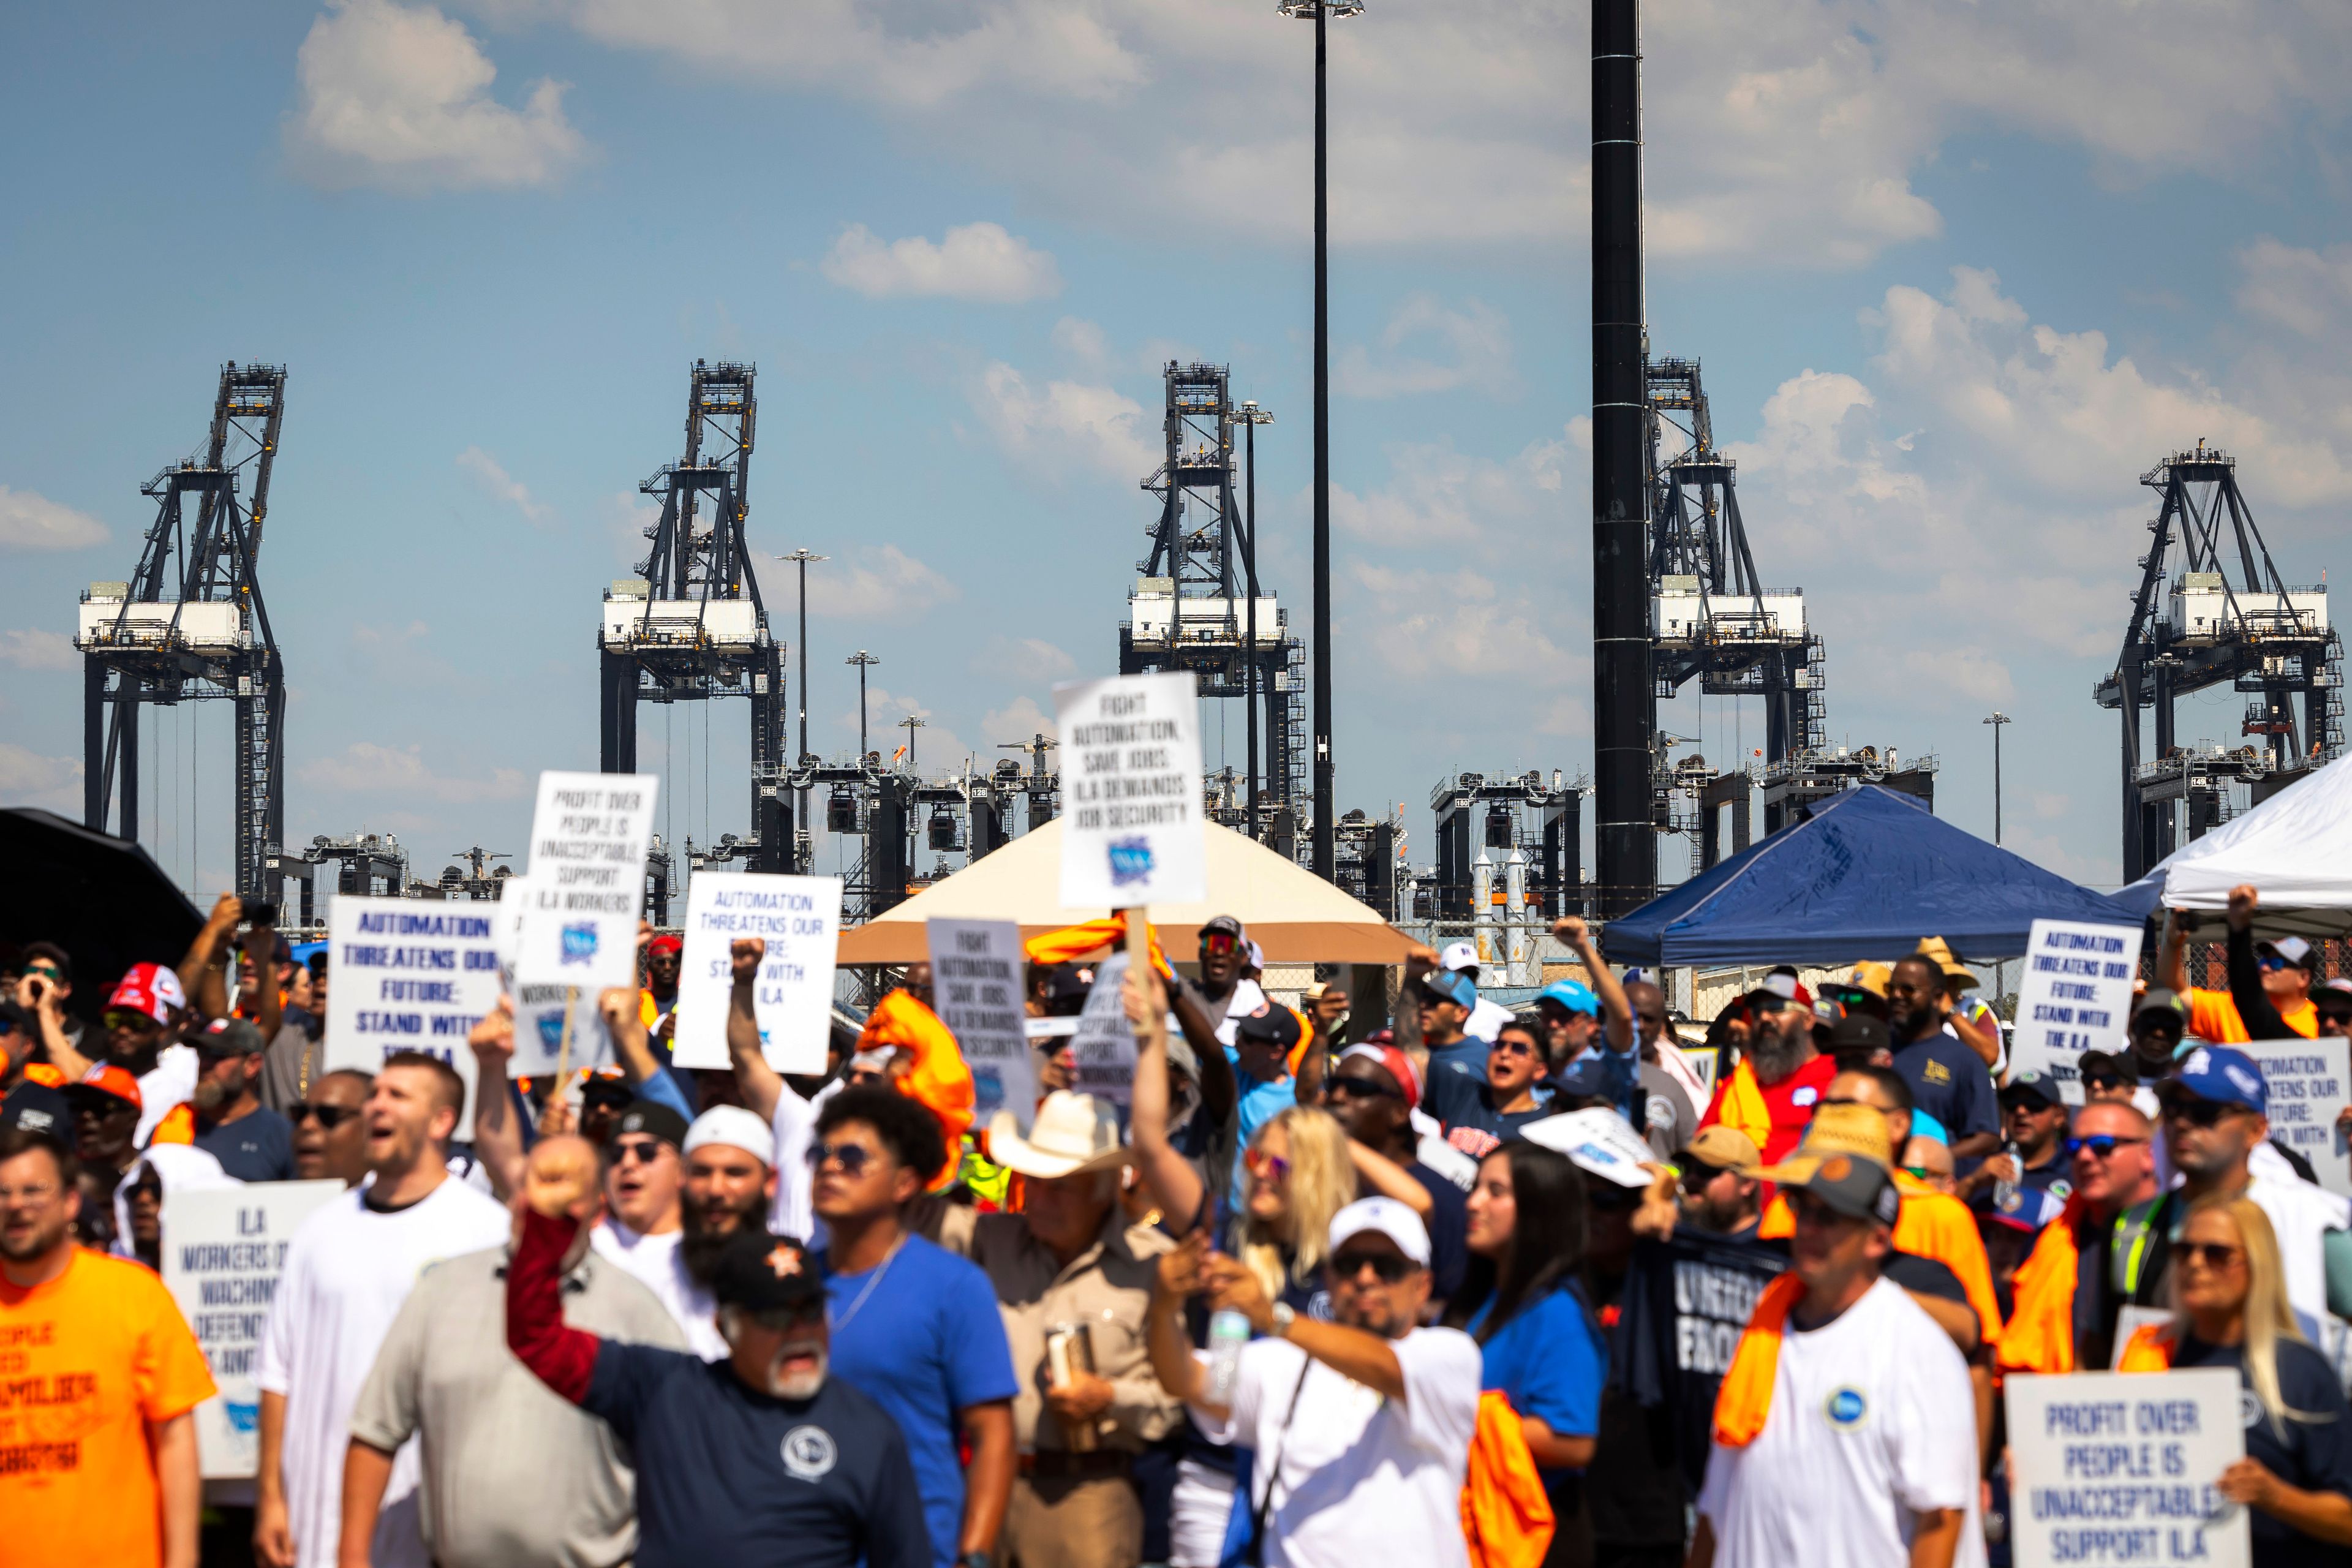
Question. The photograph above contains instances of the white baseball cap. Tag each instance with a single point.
(737, 1129)
(2293, 949)
(1459, 955)
(1388, 1216)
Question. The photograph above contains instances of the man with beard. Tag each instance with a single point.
(1771, 1092)
(252, 1142)
(729, 1180)
(709, 1436)
(329, 1133)
(1948, 1080)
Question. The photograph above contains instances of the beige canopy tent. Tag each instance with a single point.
(1296, 916)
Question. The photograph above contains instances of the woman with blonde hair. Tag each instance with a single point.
(2231, 1309)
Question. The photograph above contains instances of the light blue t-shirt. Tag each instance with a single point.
(926, 1343)
(1550, 1361)
(1259, 1103)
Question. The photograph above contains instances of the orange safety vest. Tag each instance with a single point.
(2040, 1336)
(2148, 1350)
(1507, 1518)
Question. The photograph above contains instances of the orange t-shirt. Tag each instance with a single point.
(2213, 1016)
(85, 1361)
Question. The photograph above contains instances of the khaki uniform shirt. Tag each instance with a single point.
(1107, 1288)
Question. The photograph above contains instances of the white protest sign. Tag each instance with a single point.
(2075, 996)
(409, 976)
(2309, 1081)
(1105, 1041)
(223, 1248)
(2118, 1467)
(800, 920)
(539, 1010)
(1132, 822)
(976, 990)
(587, 879)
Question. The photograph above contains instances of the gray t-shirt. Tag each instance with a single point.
(513, 1471)
(1671, 1123)
(291, 1064)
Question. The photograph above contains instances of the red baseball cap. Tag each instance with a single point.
(1398, 1066)
(114, 1081)
(152, 989)
(665, 943)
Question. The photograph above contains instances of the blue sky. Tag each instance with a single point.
(1957, 274)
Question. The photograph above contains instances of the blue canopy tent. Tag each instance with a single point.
(1871, 873)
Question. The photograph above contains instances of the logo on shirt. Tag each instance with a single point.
(1846, 1408)
(2250, 1408)
(809, 1453)
(1804, 1096)
(1935, 1072)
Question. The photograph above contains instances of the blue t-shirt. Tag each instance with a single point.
(726, 1475)
(1550, 1361)
(1951, 1083)
(256, 1147)
(926, 1343)
(1449, 1230)
(1466, 1058)
(1465, 1108)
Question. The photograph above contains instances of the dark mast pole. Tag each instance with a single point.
(1624, 712)
(1325, 857)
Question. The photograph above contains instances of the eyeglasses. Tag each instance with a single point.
(1343, 1085)
(1388, 1268)
(853, 1158)
(2212, 1256)
(37, 1193)
(1265, 1167)
(2099, 1144)
(636, 1151)
(2197, 1112)
(329, 1116)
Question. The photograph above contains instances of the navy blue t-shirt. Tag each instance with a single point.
(2313, 1453)
(256, 1147)
(726, 1475)
(1465, 1057)
(1449, 1230)
(1951, 1083)
(1466, 1106)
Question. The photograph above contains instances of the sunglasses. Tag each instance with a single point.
(123, 1020)
(853, 1158)
(636, 1151)
(1388, 1268)
(330, 1117)
(2340, 1017)
(97, 1102)
(2197, 1112)
(49, 972)
(2102, 1080)
(2212, 1256)
(2269, 963)
(1696, 1179)
(1265, 1167)
(1921, 1172)
(1217, 943)
(2100, 1144)
(1364, 1087)
(1513, 1047)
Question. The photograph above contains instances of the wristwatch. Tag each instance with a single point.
(1284, 1316)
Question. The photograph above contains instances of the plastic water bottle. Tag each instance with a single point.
(2004, 1194)
(1228, 1331)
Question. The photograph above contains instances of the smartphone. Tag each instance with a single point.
(259, 912)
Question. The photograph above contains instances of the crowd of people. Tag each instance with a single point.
(1442, 1283)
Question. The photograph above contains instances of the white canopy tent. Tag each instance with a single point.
(2296, 848)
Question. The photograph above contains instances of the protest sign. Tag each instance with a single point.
(223, 1248)
(2118, 1467)
(540, 1010)
(976, 990)
(2309, 1081)
(588, 840)
(800, 920)
(1105, 1041)
(1132, 822)
(2075, 996)
(409, 976)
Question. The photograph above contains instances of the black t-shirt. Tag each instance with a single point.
(1951, 1083)
(1449, 1230)
(1685, 1302)
(256, 1147)
(1924, 1276)
(2314, 1454)
(1634, 1487)
(726, 1475)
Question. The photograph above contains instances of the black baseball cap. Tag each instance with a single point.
(653, 1119)
(760, 1273)
(1859, 1034)
(607, 1088)
(1272, 1025)
(1065, 987)
(37, 1109)
(1222, 925)
(2031, 1085)
(2092, 1064)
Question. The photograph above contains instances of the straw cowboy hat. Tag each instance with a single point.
(1074, 1133)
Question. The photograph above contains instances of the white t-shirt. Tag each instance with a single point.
(1357, 1478)
(1870, 1426)
(655, 1262)
(2302, 1215)
(794, 1125)
(347, 1271)
(170, 1083)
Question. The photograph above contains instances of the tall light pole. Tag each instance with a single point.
(1251, 416)
(802, 558)
(910, 724)
(1325, 845)
(864, 661)
(1997, 720)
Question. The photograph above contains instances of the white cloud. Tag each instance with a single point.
(629, 516)
(32, 649)
(978, 261)
(1438, 495)
(398, 97)
(1025, 660)
(367, 768)
(2308, 292)
(501, 486)
(1016, 722)
(30, 522)
(936, 746)
(27, 778)
(1069, 424)
(1082, 340)
(1477, 343)
(877, 580)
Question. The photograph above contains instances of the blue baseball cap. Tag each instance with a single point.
(1573, 994)
(2224, 1076)
(1453, 986)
